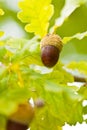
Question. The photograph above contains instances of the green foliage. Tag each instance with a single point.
(63, 99)
(43, 117)
(83, 91)
(3, 122)
(23, 76)
(20, 77)
(79, 66)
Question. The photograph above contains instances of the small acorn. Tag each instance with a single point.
(12, 125)
(21, 118)
(51, 45)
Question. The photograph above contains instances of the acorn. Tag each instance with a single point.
(12, 125)
(51, 46)
(21, 118)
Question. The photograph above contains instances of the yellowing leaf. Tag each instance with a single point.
(1, 12)
(36, 14)
(1, 33)
(16, 68)
(1, 43)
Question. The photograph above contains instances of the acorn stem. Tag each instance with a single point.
(11, 125)
(55, 27)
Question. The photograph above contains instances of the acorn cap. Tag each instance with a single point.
(24, 114)
(53, 40)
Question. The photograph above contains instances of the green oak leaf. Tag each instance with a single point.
(63, 103)
(44, 121)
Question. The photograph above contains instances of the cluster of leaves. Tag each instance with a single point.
(20, 71)
(23, 76)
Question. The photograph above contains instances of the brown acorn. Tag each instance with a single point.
(21, 118)
(51, 46)
(12, 125)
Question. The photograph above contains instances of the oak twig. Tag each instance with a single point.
(79, 79)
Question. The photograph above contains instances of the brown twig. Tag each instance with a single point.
(79, 79)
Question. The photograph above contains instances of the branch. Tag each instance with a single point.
(79, 79)
(11, 125)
